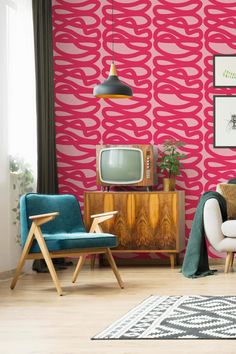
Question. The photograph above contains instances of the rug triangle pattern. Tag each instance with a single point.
(177, 317)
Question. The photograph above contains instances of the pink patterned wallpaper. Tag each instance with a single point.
(163, 50)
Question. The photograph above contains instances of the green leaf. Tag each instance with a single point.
(170, 157)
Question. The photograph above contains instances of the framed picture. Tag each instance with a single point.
(224, 70)
(224, 121)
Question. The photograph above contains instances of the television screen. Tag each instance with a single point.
(121, 165)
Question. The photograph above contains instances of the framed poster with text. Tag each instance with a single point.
(224, 70)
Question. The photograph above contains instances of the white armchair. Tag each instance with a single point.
(221, 235)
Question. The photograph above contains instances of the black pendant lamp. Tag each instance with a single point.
(112, 87)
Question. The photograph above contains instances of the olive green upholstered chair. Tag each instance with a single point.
(52, 227)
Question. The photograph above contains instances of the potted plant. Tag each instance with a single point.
(22, 181)
(170, 162)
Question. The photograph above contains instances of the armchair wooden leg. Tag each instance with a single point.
(78, 268)
(228, 261)
(23, 256)
(46, 255)
(114, 267)
(232, 261)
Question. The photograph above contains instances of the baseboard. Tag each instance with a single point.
(142, 262)
(27, 269)
(152, 262)
(216, 261)
(121, 262)
(7, 274)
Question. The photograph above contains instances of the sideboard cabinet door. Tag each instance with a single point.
(146, 221)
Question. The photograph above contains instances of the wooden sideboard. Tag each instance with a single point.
(146, 221)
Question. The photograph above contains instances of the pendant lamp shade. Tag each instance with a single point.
(112, 87)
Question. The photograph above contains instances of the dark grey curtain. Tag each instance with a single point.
(47, 167)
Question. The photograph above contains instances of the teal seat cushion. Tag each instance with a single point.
(67, 230)
(61, 241)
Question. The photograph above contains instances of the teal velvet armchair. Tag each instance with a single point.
(52, 227)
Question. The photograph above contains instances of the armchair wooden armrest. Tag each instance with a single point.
(43, 218)
(104, 214)
(99, 218)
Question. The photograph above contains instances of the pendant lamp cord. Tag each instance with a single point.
(112, 30)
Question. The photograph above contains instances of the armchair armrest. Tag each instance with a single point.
(104, 214)
(43, 218)
(212, 223)
(99, 218)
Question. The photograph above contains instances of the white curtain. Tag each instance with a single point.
(18, 114)
(21, 79)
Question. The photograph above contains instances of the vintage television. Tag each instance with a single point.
(124, 165)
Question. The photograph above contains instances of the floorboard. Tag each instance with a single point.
(35, 320)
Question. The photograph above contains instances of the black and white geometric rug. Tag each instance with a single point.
(177, 317)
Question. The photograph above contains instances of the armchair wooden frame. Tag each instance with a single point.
(229, 262)
(35, 232)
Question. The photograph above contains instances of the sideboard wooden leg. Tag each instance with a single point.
(92, 261)
(172, 260)
(177, 259)
(100, 260)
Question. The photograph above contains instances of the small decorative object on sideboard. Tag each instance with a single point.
(170, 162)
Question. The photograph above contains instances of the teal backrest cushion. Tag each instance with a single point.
(69, 219)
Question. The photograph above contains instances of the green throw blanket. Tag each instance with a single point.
(196, 258)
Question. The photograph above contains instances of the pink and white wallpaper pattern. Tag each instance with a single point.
(164, 50)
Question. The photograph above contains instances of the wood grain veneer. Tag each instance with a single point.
(146, 221)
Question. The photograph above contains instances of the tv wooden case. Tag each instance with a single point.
(149, 173)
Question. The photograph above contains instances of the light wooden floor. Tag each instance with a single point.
(34, 319)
